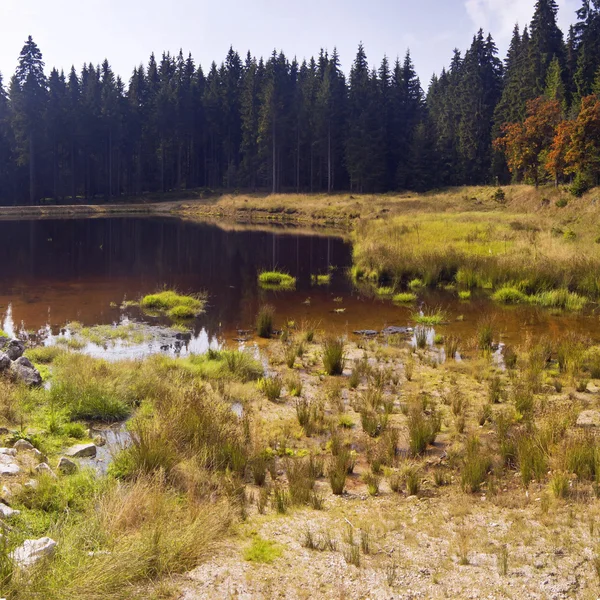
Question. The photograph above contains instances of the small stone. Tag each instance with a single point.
(4, 362)
(8, 451)
(66, 466)
(15, 349)
(7, 511)
(99, 440)
(31, 484)
(22, 445)
(82, 451)
(32, 551)
(8, 466)
(43, 467)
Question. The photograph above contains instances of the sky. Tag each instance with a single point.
(126, 32)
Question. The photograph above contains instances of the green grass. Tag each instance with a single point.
(561, 299)
(264, 321)
(333, 356)
(432, 316)
(43, 355)
(3, 333)
(404, 298)
(276, 280)
(175, 305)
(321, 279)
(103, 334)
(262, 551)
(384, 291)
(510, 295)
(464, 294)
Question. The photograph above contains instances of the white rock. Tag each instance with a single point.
(82, 451)
(32, 551)
(7, 511)
(9, 451)
(589, 418)
(21, 445)
(8, 466)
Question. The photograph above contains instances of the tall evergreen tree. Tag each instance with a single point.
(28, 99)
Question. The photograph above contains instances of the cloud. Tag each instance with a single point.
(499, 16)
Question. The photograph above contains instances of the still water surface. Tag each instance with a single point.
(56, 271)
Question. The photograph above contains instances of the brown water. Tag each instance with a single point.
(56, 271)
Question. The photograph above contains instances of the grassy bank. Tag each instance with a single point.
(546, 248)
(332, 448)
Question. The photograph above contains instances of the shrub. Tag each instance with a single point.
(532, 459)
(421, 334)
(338, 470)
(372, 482)
(411, 474)
(373, 423)
(451, 346)
(559, 484)
(271, 387)
(264, 321)
(259, 465)
(294, 386)
(581, 184)
(476, 466)
(422, 429)
(301, 480)
(499, 196)
(333, 356)
(485, 335)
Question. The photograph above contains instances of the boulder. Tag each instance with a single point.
(32, 551)
(4, 362)
(7, 511)
(3, 341)
(66, 466)
(589, 418)
(22, 445)
(15, 349)
(25, 362)
(28, 375)
(8, 466)
(82, 451)
(45, 468)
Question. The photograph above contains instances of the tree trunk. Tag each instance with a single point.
(274, 190)
(31, 169)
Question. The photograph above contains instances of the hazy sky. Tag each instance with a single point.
(127, 31)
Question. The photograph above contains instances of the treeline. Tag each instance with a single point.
(279, 125)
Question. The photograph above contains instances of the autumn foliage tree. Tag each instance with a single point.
(527, 145)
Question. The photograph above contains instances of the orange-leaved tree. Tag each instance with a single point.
(526, 145)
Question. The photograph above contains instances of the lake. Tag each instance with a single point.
(56, 271)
